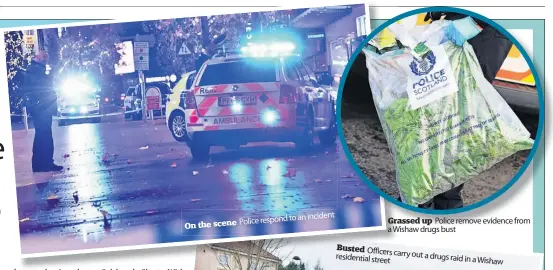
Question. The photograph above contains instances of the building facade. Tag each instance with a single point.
(332, 34)
(343, 37)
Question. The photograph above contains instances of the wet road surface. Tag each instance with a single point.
(122, 177)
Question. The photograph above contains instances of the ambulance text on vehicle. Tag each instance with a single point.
(264, 93)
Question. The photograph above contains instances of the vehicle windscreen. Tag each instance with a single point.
(261, 70)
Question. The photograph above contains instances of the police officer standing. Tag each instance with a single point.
(42, 103)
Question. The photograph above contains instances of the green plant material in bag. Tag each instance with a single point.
(442, 141)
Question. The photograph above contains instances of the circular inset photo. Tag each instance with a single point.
(440, 110)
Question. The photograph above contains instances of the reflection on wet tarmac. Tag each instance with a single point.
(115, 187)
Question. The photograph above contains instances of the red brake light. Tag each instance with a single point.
(190, 100)
(194, 119)
(288, 94)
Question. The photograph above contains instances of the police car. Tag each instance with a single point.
(78, 99)
(248, 97)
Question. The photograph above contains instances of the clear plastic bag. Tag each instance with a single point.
(444, 122)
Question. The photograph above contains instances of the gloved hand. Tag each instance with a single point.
(459, 31)
(434, 16)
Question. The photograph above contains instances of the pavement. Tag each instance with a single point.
(368, 145)
(131, 183)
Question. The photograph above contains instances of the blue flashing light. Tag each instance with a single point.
(269, 117)
(273, 49)
(77, 85)
(283, 47)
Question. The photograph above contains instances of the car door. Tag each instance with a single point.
(318, 96)
(294, 79)
(190, 80)
(292, 75)
(129, 99)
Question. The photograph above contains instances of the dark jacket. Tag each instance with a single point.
(490, 46)
(39, 90)
(457, 16)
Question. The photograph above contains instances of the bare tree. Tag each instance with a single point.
(254, 255)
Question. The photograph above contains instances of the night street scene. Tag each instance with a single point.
(183, 130)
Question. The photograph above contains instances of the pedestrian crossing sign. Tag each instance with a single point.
(184, 49)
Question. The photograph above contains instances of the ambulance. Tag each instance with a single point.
(262, 93)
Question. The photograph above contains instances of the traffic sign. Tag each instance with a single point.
(153, 99)
(31, 42)
(184, 49)
(141, 56)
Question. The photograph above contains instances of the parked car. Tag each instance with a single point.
(133, 100)
(78, 99)
(132, 103)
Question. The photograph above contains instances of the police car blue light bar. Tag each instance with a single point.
(271, 49)
(269, 117)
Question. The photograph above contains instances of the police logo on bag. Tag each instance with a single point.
(424, 66)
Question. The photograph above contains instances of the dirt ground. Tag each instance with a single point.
(368, 145)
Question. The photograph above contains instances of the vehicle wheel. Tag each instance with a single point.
(328, 137)
(306, 140)
(200, 151)
(177, 125)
